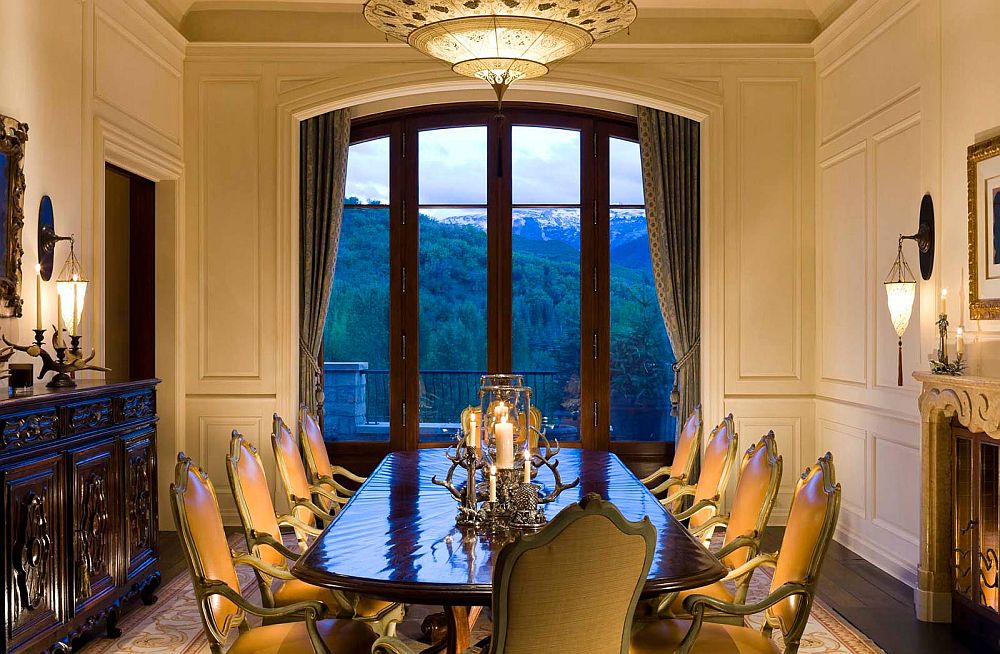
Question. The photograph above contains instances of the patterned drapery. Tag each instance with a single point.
(323, 145)
(670, 151)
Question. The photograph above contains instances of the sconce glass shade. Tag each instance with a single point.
(900, 289)
(900, 298)
(71, 286)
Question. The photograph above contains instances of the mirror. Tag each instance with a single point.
(13, 135)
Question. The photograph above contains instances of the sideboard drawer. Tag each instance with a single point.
(28, 429)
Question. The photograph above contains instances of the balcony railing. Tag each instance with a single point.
(357, 395)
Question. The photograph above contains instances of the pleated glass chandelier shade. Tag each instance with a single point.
(500, 41)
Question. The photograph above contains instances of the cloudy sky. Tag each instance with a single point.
(452, 167)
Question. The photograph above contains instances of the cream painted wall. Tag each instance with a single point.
(242, 107)
(96, 81)
(903, 88)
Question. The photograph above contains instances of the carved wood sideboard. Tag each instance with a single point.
(79, 522)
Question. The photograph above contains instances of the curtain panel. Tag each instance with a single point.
(323, 145)
(670, 151)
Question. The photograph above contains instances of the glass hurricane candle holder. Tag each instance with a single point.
(505, 411)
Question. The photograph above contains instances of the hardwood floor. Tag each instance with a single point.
(878, 605)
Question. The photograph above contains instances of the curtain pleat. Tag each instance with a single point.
(670, 151)
(323, 145)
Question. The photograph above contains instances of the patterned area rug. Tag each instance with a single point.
(173, 624)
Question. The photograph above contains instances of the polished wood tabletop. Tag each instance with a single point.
(397, 538)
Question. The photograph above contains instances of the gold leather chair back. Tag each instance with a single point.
(688, 446)
(811, 522)
(313, 445)
(760, 476)
(203, 538)
(573, 586)
(292, 471)
(720, 454)
(253, 496)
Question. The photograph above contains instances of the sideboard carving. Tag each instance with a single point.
(78, 471)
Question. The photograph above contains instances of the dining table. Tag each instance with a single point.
(397, 538)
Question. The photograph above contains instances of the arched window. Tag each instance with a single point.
(473, 242)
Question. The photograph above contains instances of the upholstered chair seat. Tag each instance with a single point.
(665, 636)
(812, 519)
(760, 477)
(339, 636)
(216, 585)
(571, 587)
(687, 449)
(262, 530)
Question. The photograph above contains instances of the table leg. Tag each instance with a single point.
(459, 629)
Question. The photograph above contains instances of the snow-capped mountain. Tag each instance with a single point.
(557, 224)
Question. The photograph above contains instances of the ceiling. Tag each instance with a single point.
(817, 13)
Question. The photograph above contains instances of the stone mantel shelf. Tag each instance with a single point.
(974, 402)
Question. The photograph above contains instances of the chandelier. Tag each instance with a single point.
(500, 41)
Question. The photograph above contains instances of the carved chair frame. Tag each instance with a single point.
(342, 492)
(712, 503)
(792, 634)
(205, 586)
(674, 474)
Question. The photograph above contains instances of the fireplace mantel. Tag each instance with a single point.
(973, 402)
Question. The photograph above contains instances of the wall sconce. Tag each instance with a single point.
(47, 237)
(72, 289)
(900, 286)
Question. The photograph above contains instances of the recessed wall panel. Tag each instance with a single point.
(897, 497)
(848, 446)
(769, 235)
(229, 257)
(841, 251)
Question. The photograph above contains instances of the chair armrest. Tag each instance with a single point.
(683, 491)
(768, 560)
(337, 502)
(268, 569)
(696, 605)
(718, 520)
(264, 538)
(327, 482)
(294, 522)
(751, 541)
(711, 503)
(663, 471)
(309, 504)
(310, 609)
(668, 484)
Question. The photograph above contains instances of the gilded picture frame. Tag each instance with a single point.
(984, 229)
(13, 136)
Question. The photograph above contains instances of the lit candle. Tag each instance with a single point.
(503, 432)
(944, 301)
(473, 437)
(493, 484)
(76, 317)
(527, 466)
(59, 315)
(959, 341)
(38, 296)
(500, 411)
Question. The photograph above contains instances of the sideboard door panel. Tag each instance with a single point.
(33, 511)
(140, 498)
(95, 549)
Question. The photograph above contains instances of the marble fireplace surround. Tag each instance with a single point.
(974, 402)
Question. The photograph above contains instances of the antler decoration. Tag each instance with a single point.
(68, 360)
(550, 462)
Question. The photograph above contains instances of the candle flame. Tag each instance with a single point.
(38, 267)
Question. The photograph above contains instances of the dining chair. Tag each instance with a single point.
(811, 522)
(321, 471)
(686, 451)
(216, 585)
(756, 491)
(706, 495)
(571, 587)
(262, 530)
(299, 492)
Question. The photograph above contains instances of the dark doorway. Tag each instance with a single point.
(130, 266)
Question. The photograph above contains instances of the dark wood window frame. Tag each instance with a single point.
(402, 127)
